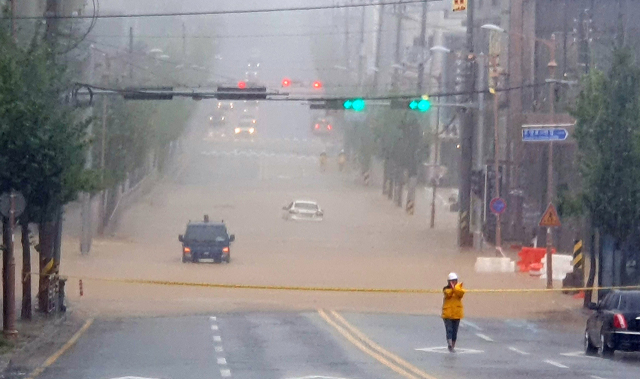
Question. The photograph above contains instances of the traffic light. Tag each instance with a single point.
(317, 84)
(477, 183)
(357, 105)
(286, 82)
(242, 85)
(150, 93)
(422, 105)
(244, 93)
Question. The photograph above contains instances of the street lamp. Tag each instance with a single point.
(552, 65)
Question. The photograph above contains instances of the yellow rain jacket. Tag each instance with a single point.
(452, 305)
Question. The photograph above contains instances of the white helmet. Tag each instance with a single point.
(452, 276)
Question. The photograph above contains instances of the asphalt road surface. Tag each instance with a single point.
(327, 344)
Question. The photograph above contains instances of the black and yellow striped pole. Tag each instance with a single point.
(578, 263)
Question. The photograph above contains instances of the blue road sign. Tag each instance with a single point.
(544, 135)
(498, 205)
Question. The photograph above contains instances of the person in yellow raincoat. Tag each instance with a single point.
(452, 309)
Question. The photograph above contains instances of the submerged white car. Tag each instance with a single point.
(303, 210)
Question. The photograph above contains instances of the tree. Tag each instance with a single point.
(608, 134)
(42, 140)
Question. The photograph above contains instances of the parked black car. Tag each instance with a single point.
(615, 324)
(206, 242)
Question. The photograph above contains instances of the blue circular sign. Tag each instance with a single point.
(498, 205)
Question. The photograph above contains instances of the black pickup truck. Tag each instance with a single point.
(206, 242)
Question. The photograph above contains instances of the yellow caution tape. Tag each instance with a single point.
(334, 289)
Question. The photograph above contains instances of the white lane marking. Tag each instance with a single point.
(515, 349)
(213, 318)
(222, 361)
(596, 377)
(578, 354)
(214, 327)
(445, 350)
(217, 338)
(554, 363)
(219, 349)
(225, 373)
(484, 337)
(471, 324)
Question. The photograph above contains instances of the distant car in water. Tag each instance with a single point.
(303, 210)
(206, 242)
(615, 324)
(247, 126)
(322, 126)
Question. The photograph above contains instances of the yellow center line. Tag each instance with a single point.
(380, 349)
(53, 358)
(383, 356)
(365, 349)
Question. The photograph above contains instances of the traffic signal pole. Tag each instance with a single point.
(465, 238)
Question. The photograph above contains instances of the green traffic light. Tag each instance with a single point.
(358, 105)
(348, 104)
(424, 105)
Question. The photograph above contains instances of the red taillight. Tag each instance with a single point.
(619, 322)
(186, 250)
(225, 249)
(317, 126)
(329, 127)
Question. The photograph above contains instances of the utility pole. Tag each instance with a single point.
(376, 74)
(131, 50)
(184, 41)
(361, 54)
(396, 68)
(552, 65)
(86, 214)
(105, 108)
(479, 164)
(423, 42)
(496, 144)
(466, 139)
(14, 28)
(9, 274)
(51, 13)
(347, 52)
(436, 162)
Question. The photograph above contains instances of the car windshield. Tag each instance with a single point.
(306, 206)
(630, 302)
(206, 233)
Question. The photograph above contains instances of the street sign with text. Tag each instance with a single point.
(544, 134)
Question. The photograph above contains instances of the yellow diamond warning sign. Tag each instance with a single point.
(459, 5)
(550, 217)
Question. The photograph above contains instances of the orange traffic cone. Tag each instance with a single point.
(579, 295)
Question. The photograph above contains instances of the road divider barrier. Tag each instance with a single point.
(416, 291)
(531, 255)
(491, 265)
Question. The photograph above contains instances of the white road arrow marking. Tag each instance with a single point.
(484, 337)
(554, 363)
(577, 354)
(445, 350)
(515, 349)
(471, 324)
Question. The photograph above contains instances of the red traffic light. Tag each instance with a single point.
(286, 82)
(242, 85)
(317, 84)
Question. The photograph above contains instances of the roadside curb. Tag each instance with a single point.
(55, 356)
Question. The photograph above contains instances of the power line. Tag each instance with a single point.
(231, 36)
(238, 11)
